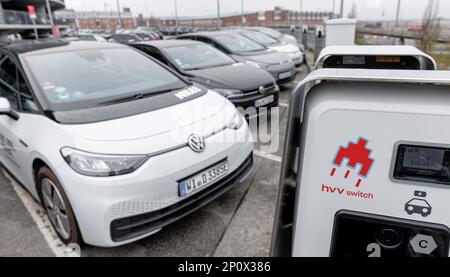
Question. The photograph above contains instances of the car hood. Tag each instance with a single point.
(289, 39)
(266, 57)
(237, 76)
(285, 48)
(197, 115)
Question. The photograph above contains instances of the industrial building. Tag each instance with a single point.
(14, 17)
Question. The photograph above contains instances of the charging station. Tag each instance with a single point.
(365, 170)
(395, 57)
(340, 31)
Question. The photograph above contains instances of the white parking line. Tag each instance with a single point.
(268, 156)
(42, 221)
(283, 104)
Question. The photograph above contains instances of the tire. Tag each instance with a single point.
(63, 218)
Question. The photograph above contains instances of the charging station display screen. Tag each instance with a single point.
(423, 164)
(372, 62)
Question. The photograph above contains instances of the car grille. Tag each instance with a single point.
(131, 227)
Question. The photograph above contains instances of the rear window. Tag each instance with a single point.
(86, 78)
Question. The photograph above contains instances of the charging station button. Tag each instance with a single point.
(423, 244)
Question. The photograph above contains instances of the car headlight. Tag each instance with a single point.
(236, 122)
(257, 65)
(294, 55)
(229, 93)
(99, 165)
(302, 48)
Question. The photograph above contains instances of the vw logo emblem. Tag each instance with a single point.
(196, 143)
(262, 90)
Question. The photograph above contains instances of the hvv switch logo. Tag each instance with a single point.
(354, 153)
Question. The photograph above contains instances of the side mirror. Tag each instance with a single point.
(5, 109)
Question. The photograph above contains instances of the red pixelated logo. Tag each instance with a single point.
(354, 153)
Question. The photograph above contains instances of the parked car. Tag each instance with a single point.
(108, 141)
(275, 34)
(91, 37)
(242, 84)
(244, 50)
(144, 36)
(151, 31)
(291, 50)
(124, 38)
(281, 37)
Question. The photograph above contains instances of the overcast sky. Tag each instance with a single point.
(366, 9)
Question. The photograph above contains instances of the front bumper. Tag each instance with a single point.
(277, 70)
(247, 101)
(100, 203)
(131, 227)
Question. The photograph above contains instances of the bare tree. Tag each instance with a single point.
(430, 26)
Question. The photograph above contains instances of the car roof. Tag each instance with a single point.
(54, 45)
(168, 43)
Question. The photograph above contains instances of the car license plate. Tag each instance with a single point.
(264, 101)
(284, 75)
(203, 179)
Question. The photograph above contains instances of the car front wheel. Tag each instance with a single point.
(57, 206)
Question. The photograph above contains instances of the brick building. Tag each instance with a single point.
(96, 20)
(276, 17)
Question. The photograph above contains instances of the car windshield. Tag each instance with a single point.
(198, 56)
(238, 43)
(260, 38)
(98, 75)
(271, 32)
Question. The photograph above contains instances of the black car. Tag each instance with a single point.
(144, 36)
(245, 50)
(125, 38)
(244, 85)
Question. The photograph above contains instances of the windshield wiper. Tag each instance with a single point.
(136, 96)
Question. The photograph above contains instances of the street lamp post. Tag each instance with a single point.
(120, 17)
(176, 17)
(106, 16)
(300, 6)
(397, 18)
(218, 14)
(242, 12)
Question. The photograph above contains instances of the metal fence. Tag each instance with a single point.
(12, 17)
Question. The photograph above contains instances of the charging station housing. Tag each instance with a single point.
(365, 170)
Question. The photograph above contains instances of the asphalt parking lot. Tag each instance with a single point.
(237, 224)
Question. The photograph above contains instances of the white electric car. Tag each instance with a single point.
(112, 143)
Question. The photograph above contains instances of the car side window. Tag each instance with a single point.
(218, 46)
(205, 40)
(155, 54)
(27, 100)
(8, 81)
(212, 43)
(187, 38)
